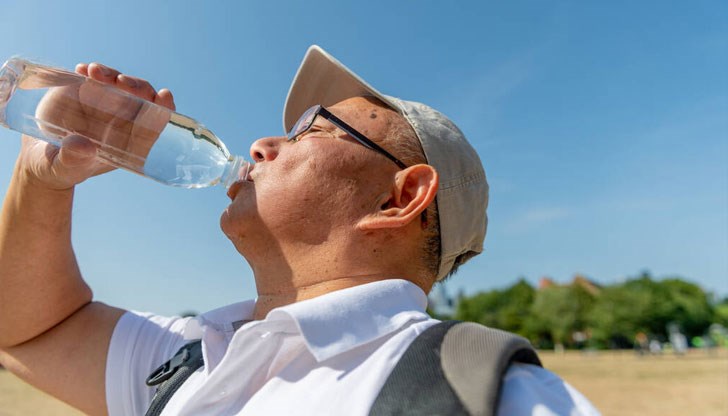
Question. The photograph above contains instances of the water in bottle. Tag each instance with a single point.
(131, 133)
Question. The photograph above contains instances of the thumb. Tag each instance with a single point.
(75, 161)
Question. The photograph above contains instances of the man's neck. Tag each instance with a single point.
(285, 274)
(274, 297)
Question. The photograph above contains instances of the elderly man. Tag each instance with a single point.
(347, 222)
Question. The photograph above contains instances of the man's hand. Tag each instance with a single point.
(125, 128)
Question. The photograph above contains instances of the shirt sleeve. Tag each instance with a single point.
(140, 343)
(531, 390)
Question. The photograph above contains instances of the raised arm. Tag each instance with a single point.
(51, 332)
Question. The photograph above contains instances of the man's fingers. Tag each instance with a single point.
(102, 73)
(82, 69)
(133, 85)
(165, 98)
(137, 86)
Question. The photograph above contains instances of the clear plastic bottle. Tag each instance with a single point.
(131, 133)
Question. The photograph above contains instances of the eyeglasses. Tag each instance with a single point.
(306, 121)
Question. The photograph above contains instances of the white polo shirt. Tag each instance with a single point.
(325, 356)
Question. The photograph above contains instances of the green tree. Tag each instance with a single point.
(557, 312)
(721, 312)
(618, 314)
(503, 309)
(689, 306)
(517, 304)
(645, 305)
(612, 315)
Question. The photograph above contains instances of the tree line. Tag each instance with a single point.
(584, 314)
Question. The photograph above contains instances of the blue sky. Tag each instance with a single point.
(603, 128)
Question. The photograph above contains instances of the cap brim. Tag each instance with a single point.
(322, 79)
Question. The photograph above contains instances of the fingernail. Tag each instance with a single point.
(130, 82)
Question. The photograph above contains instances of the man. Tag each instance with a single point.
(347, 222)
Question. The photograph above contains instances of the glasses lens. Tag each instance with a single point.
(303, 123)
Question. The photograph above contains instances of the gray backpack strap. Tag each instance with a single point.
(453, 368)
(475, 358)
(171, 375)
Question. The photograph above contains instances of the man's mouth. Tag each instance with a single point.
(235, 187)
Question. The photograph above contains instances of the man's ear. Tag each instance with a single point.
(413, 190)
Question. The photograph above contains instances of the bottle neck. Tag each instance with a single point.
(236, 169)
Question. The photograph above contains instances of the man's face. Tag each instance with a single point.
(305, 192)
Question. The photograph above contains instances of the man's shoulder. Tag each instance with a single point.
(452, 368)
(486, 368)
(528, 388)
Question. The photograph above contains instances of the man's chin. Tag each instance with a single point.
(233, 224)
(226, 222)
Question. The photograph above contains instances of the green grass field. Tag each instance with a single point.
(618, 383)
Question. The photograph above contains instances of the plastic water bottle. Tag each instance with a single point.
(51, 104)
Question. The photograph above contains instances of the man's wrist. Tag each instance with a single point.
(26, 179)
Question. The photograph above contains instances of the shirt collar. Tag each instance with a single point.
(340, 321)
(330, 324)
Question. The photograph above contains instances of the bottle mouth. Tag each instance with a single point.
(236, 170)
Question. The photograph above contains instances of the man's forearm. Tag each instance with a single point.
(40, 282)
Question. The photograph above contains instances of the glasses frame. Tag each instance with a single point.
(319, 110)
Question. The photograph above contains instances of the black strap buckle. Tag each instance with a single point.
(167, 370)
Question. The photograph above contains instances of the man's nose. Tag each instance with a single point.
(266, 149)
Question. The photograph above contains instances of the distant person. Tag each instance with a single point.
(347, 222)
(655, 347)
(679, 343)
(641, 343)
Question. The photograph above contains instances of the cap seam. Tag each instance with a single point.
(463, 180)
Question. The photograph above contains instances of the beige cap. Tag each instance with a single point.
(462, 198)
